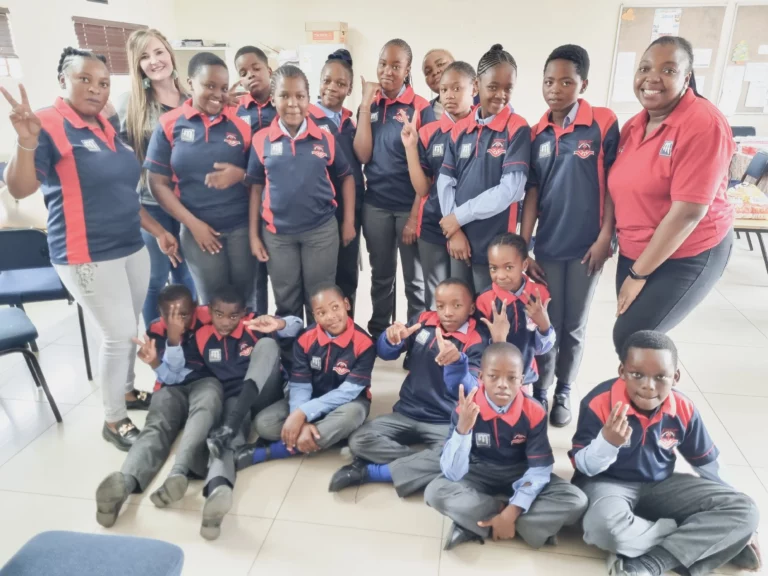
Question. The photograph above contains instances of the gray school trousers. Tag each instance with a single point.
(235, 264)
(264, 370)
(571, 290)
(436, 266)
(701, 523)
(334, 427)
(478, 275)
(388, 439)
(196, 407)
(299, 262)
(482, 493)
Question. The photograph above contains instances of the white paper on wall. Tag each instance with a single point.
(666, 22)
(756, 95)
(731, 91)
(756, 72)
(702, 57)
(623, 81)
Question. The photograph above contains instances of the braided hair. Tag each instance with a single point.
(344, 58)
(287, 71)
(409, 53)
(513, 240)
(571, 53)
(462, 68)
(686, 47)
(69, 54)
(495, 56)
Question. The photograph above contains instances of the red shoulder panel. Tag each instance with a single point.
(533, 411)
(307, 339)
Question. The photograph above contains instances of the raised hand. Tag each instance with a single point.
(468, 411)
(399, 332)
(370, 92)
(266, 324)
(176, 325)
(616, 429)
(410, 133)
(500, 326)
(147, 351)
(447, 351)
(24, 120)
(536, 309)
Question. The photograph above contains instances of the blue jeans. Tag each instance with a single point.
(160, 265)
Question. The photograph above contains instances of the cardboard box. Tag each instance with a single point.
(326, 32)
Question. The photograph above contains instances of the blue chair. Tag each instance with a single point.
(27, 276)
(16, 334)
(741, 131)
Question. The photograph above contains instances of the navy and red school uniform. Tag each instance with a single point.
(518, 436)
(521, 334)
(326, 363)
(185, 146)
(256, 114)
(434, 139)
(297, 175)
(89, 178)
(649, 456)
(388, 183)
(570, 168)
(479, 155)
(424, 395)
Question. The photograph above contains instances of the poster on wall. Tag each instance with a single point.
(623, 85)
(666, 22)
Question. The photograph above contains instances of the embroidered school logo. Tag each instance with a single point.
(91, 145)
(276, 149)
(402, 116)
(668, 439)
(466, 150)
(438, 150)
(584, 150)
(341, 368)
(317, 363)
(245, 349)
(545, 150)
(319, 151)
(325, 127)
(422, 337)
(482, 440)
(246, 118)
(214, 355)
(666, 149)
(374, 116)
(188, 135)
(519, 439)
(232, 140)
(498, 148)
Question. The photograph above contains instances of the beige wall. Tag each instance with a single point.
(42, 28)
(528, 29)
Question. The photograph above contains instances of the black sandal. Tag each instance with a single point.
(142, 402)
(123, 436)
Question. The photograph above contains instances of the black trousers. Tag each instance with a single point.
(347, 266)
(674, 289)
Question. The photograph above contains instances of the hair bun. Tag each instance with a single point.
(341, 54)
(497, 48)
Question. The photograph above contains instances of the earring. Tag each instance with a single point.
(174, 75)
(146, 83)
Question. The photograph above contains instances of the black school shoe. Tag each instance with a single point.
(460, 535)
(142, 402)
(219, 440)
(350, 475)
(123, 437)
(172, 490)
(218, 503)
(110, 497)
(561, 411)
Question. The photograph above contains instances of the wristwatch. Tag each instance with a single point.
(635, 276)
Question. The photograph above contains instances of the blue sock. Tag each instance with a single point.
(278, 452)
(379, 473)
(562, 388)
(539, 394)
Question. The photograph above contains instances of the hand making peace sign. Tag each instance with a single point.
(24, 120)
(147, 352)
(468, 411)
(410, 133)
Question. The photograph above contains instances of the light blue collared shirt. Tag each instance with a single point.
(172, 369)
(571, 118)
(302, 129)
(334, 116)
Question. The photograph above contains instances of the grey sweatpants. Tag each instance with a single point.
(196, 407)
(235, 264)
(388, 439)
(701, 523)
(571, 290)
(333, 427)
(383, 230)
(482, 493)
(299, 262)
(478, 275)
(436, 266)
(264, 370)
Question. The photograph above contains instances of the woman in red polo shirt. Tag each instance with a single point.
(668, 184)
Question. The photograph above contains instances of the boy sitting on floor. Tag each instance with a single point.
(444, 346)
(650, 519)
(499, 445)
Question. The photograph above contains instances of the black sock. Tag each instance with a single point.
(562, 388)
(245, 400)
(131, 484)
(657, 561)
(539, 394)
(215, 483)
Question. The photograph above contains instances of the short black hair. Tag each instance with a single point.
(202, 59)
(456, 282)
(287, 71)
(228, 294)
(572, 53)
(495, 56)
(326, 287)
(462, 68)
(173, 293)
(498, 348)
(344, 58)
(649, 340)
(258, 52)
(514, 240)
(69, 54)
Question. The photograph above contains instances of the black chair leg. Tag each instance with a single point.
(762, 249)
(84, 337)
(738, 235)
(37, 373)
(32, 370)
(749, 241)
(32, 344)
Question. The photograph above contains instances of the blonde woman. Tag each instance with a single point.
(155, 90)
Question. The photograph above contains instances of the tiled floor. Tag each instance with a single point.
(285, 522)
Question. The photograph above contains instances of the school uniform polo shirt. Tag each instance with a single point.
(479, 155)
(88, 179)
(685, 159)
(424, 395)
(434, 139)
(185, 146)
(297, 175)
(569, 166)
(327, 363)
(649, 456)
(516, 436)
(388, 183)
(257, 115)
